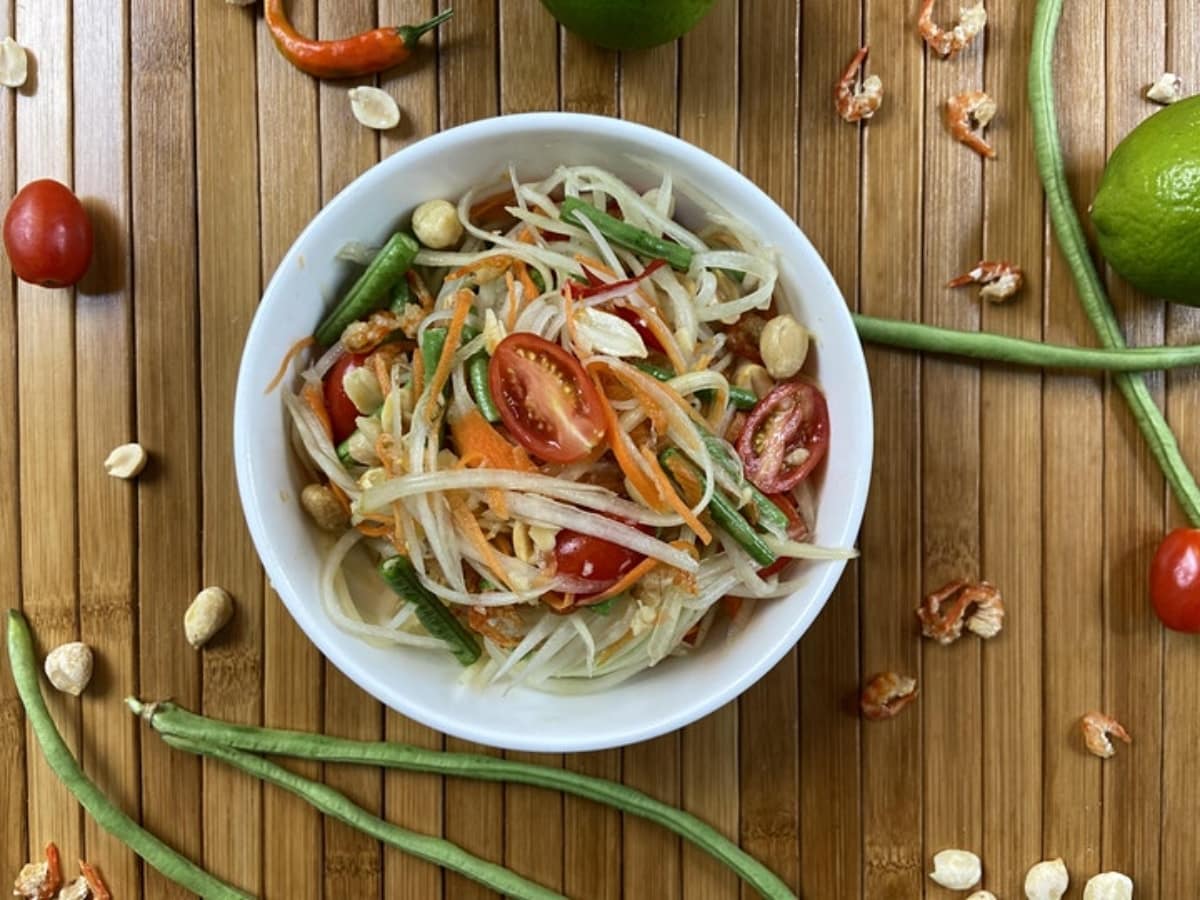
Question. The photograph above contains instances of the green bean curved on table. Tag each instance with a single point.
(168, 719)
(107, 814)
(1000, 348)
(338, 806)
(1069, 230)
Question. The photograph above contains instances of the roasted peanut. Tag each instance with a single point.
(323, 508)
(126, 461)
(1108, 886)
(208, 613)
(783, 346)
(374, 108)
(957, 870)
(14, 64)
(69, 667)
(1047, 880)
(436, 224)
(753, 377)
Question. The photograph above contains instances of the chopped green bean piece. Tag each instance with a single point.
(402, 578)
(373, 288)
(628, 236)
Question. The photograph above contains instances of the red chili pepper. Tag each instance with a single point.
(361, 54)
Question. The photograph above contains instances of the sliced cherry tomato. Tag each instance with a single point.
(583, 556)
(48, 235)
(1175, 580)
(797, 531)
(546, 400)
(785, 437)
(341, 409)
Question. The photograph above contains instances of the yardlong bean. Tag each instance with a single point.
(999, 348)
(107, 814)
(169, 719)
(628, 236)
(337, 805)
(373, 288)
(1069, 230)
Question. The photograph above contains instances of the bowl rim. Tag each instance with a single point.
(316, 628)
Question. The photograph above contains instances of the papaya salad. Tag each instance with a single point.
(557, 433)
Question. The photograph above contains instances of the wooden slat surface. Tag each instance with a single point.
(201, 155)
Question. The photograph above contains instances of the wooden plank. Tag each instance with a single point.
(46, 374)
(411, 800)
(229, 272)
(289, 171)
(13, 818)
(353, 861)
(891, 537)
(950, 448)
(165, 325)
(1073, 453)
(769, 729)
(474, 812)
(533, 819)
(1012, 476)
(830, 751)
(592, 834)
(104, 402)
(708, 750)
(1181, 662)
(528, 57)
(1134, 514)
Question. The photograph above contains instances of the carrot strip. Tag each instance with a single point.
(316, 402)
(531, 289)
(627, 461)
(469, 526)
(376, 531)
(497, 503)
(673, 499)
(489, 205)
(462, 306)
(731, 605)
(418, 375)
(483, 445)
(293, 351)
(342, 498)
(626, 581)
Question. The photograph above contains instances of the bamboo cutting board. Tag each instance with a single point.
(202, 154)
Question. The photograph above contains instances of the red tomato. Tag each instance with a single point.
(785, 437)
(546, 400)
(584, 556)
(48, 235)
(1175, 580)
(797, 531)
(341, 409)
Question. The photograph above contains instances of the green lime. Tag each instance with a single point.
(1147, 212)
(628, 24)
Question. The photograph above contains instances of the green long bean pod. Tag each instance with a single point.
(1000, 348)
(373, 288)
(628, 236)
(1069, 230)
(438, 851)
(169, 719)
(107, 814)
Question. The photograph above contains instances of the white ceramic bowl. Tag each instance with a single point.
(425, 685)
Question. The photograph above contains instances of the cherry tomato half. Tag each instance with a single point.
(1175, 580)
(48, 235)
(546, 400)
(341, 409)
(797, 531)
(785, 437)
(583, 556)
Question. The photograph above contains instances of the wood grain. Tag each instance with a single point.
(201, 154)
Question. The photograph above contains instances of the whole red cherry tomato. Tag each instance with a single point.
(341, 409)
(48, 235)
(1175, 580)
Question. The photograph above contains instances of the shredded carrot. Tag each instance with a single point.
(381, 373)
(513, 300)
(293, 351)
(483, 445)
(376, 531)
(731, 605)
(626, 581)
(531, 289)
(316, 402)
(628, 463)
(340, 496)
(490, 205)
(559, 603)
(502, 260)
(462, 306)
(469, 526)
(94, 881)
(417, 284)
(497, 503)
(673, 499)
